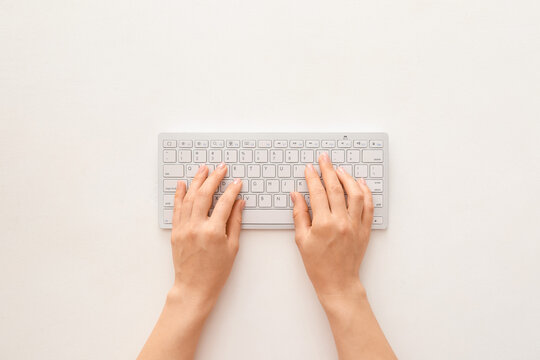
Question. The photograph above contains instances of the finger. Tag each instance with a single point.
(203, 200)
(354, 193)
(178, 199)
(302, 221)
(317, 194)
(196, 183)
(334, 190)
(367, 214)
(223, 207)
(234, 224)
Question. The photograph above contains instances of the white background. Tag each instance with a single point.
(86, 86)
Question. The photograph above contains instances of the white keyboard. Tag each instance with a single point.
(271, 165)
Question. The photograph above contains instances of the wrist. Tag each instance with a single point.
(354, 293)
(180, 297)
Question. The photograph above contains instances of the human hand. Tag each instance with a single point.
(204, 247)
(333, 244)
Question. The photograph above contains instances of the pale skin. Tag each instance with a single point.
(332, 245)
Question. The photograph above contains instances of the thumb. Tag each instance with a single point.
(302, 221)
(234, 224)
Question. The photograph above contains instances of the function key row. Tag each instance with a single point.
(273, 143)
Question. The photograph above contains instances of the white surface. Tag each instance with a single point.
(86, 86)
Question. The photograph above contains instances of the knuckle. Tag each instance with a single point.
(342, 227)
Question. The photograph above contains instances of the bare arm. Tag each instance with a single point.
(332, 247)
(203, 249)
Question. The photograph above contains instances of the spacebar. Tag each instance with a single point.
(267, 216)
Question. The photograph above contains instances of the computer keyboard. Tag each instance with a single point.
(271, 165)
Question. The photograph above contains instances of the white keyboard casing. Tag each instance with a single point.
(179, 155)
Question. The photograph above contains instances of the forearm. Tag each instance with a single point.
(356, 331)
(178, 329)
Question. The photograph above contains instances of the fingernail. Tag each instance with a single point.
(242, 204)
(237, 181)
(221, 165)
(325, 157)
(292, 197)
(201, 169)
(310, 167)
(363, 180)
(340, 169)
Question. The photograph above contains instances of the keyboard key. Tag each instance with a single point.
(245, 186)
(347, 168)
(169, 156)
(257, 186)
(269, 171)
(272, 186)
(276, 156)
(360, 171)
(376, 171)
(217, 143)
(246, 156)
(265, 201)
(254, 171)
(248, 143)
(308, 200)
(287, 185)
(199, 156)
(301, 186)
(375, 143)
(338, 156)
(233, 143)
(185, 143)
(280, 143)
(170, 185)
(298, 171)
(291, 156)
(238, 171)
(191, 170)
(280, 201)
(214, 156)
(201, 143)
(306, 156)
(328, 143)
(377, 200)
(265, 143)
(312, 143)
(320, 152)
(251, 200)
(375, 186)
(372, 156)
(353, 156)
(284, 171)
(377, 220)
(224, 183)
(261, 156)
(168, 200)
(173, 170)
(360, 143)
(296, 143)
(254, 216)
(344, 143)
(230, 156)
(169, 143)
(167, 216)
(184, 156)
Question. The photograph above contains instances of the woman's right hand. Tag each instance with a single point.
(333, 244)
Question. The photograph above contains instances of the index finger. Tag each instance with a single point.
(223, 207)
(317, 194)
